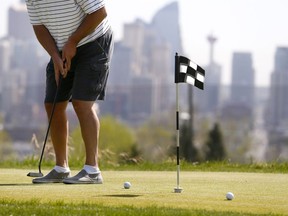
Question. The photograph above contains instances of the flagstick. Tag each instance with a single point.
(191, 73)
(177, 189)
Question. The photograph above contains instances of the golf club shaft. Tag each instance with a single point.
(49, 124)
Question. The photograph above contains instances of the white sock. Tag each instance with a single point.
(60, 169)
(91, 169)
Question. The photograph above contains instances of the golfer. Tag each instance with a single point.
(77, 36)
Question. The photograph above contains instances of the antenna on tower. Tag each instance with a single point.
(211, 39)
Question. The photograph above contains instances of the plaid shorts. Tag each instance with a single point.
(88, 75)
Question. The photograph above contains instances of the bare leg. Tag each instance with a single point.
(59, 132)
(90, 127)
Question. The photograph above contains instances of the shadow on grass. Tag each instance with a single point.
(123, 195)
(20, 184)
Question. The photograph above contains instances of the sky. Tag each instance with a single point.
(256, 26)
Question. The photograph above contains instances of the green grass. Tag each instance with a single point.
(222, 166)
(56, 208)
(151, 194)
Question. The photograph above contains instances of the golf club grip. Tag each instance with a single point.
(49, 123)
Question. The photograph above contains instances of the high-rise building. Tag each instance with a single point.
(166, 24)
(134, 37)
(242, 85)
(144, 63)
(278, 104)
(162, 40)
(19, 26)
(141, 99)
(119, 83)
(237, 115)
(121, 66)
(277, 107)
(4, 67)
(5, 51)
(22, 73)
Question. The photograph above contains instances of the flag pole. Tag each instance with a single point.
(177, 189)
(191, 73)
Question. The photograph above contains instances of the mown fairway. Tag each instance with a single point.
(255, 193)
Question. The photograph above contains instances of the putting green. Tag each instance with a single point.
(254, 192)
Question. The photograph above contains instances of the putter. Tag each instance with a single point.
(40, 174)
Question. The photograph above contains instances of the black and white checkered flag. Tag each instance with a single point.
(187, 71)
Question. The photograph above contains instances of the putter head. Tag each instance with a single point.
(35, 174)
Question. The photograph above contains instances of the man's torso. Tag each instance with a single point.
(63, 17)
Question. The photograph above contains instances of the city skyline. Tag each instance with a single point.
(239, 25)
(144, 51)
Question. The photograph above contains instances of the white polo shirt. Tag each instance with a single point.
(63, 17)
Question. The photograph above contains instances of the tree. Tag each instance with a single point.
(155, 139)
(6, 147)
(215, 146)
(187, 148)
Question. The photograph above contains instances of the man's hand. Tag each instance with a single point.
(68, 52)
(47, 41)
(59, 68)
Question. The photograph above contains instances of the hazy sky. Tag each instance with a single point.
(256, 26)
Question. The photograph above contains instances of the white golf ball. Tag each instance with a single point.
(127, 185)
(229, 196)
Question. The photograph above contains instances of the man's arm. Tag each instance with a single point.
(89, 24)
(46, 40)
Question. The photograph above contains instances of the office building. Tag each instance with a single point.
(19, 26)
